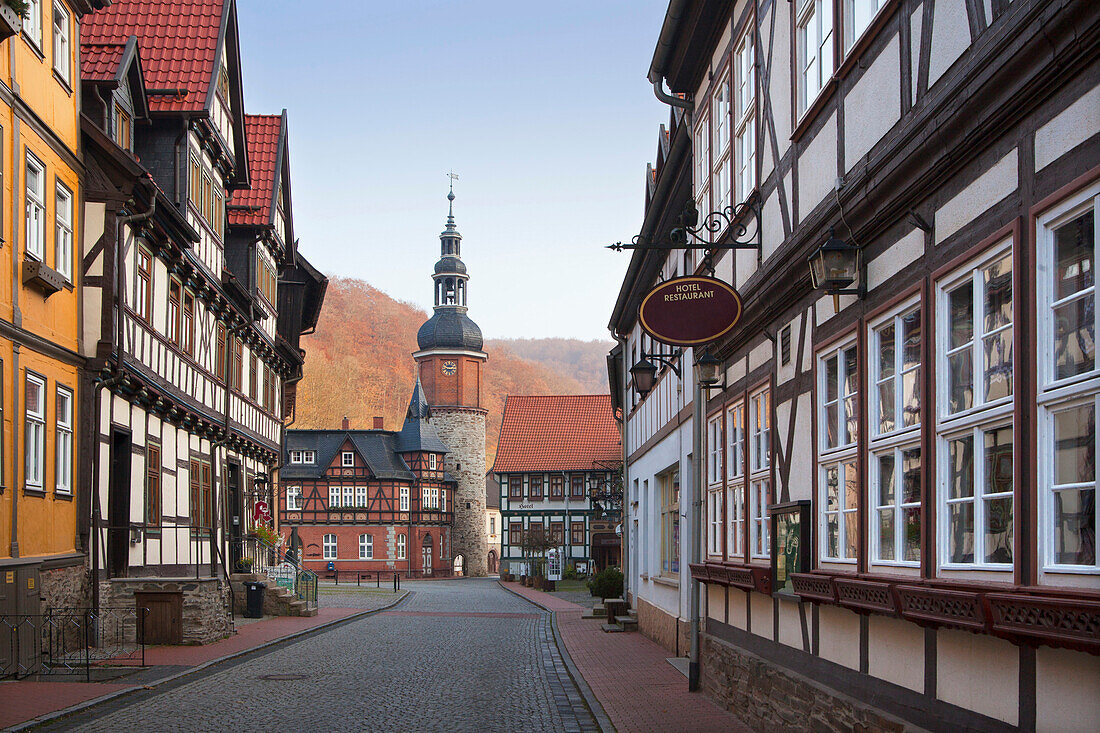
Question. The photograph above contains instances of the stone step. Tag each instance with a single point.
(627, 623)
(246, 577)
(612, 628)
(310, 612)
(599, 611)
(633, 614)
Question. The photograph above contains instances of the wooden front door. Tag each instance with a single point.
(164, 622)
(118, 505)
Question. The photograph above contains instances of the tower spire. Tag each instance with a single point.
(451, 201)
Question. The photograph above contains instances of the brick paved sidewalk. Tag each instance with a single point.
(630, 675)
(22, 700)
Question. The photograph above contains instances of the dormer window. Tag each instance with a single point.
(123, 129)
(303, 456)
(347, 459)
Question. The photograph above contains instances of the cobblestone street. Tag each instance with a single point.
(456, 655)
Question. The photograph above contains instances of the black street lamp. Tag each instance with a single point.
(708, 370)
(644, 373)
(835, 266)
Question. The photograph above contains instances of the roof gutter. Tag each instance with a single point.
(677, 9)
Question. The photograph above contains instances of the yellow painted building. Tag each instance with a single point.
(41, 554)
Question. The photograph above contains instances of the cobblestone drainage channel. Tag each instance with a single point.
(282, 677)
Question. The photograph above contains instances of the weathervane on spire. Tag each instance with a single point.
(451, 197)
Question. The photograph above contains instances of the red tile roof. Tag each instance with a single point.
(557, 433)
(262, 135)
(178, 41)
(99, 61)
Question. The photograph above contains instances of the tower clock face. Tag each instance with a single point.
(449, 368)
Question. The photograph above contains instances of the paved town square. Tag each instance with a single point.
(472, 657)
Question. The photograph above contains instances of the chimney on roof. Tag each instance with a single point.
(379, 423)
(346, 425)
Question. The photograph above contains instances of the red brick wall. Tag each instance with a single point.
(385, 546)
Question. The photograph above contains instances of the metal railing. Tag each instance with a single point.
(72, 641)
(262, 558)
(390, 576)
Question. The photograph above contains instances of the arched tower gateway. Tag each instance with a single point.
(449, 363)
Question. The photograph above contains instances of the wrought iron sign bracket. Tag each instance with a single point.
(672, 361)
(741, 221)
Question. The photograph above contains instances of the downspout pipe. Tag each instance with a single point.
(670, 99)
(625, 515)
(695, 536)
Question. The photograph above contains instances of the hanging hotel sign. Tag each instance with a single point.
(688, 311)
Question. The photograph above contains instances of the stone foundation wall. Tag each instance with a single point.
(205, 603)
(463, 432)
(68, 587)
(665, 629)
(766, 696)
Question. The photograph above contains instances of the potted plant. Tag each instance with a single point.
(244, 565)
(12, 13)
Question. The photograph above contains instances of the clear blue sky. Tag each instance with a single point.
(543, 109)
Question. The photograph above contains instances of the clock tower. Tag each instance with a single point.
(449, 362)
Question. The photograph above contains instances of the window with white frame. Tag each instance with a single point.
(702, 166)
(759, 471)
(328, 546)
(714, 450)
(63, 425)
(837, 370)
(36, 208)
(347, 458)
(1069, 388)
(361, 496)
(62, 50)
(974, 428)
(366, 547)
(349, 496)
(895, 462)
(303, 456)
(34, 431)
(400, 547)
(403, 499)
(858, 14)
(722, 170)
(431, 461)
(63, 234)
(735, 472)
(815, 49)
(670, 522)
(334, 497)
(425, 498)
(32, 22)
(715, 519)
(744, 124)
(293, 498)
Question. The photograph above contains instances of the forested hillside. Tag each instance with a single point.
(359, 363)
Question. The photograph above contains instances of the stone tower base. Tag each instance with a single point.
(462, 429)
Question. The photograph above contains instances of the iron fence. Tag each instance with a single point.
(262, 558)
(66, 641)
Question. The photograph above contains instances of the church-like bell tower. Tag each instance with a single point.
(449, 363)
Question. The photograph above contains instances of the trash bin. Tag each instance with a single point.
(254, 599)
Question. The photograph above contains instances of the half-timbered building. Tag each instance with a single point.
(185, 242)
(553, 451)
(898, 476)
(369, 501)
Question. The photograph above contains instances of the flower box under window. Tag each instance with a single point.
(41, 276)
(10, 21)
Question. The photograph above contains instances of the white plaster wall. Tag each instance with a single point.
(780, 70)
(802, 468)
(915, 21)
(838, 635)
(950, 37)
(763, 622)
(817, 168)
(771, 226)
(760, 355)
(895, 258)
(1067, 690)
(979, 673)
(988, 189)
(746, 266)
(790, 624)
(879, 89)
(723, 269)
(716, 602)
(738, 608)
(1071, 127)
(824, 308)
(895, 651)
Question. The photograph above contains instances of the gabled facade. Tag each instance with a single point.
(40, 293)
(370, 500)
(898, 490)
(187, 360)
(552, 451)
